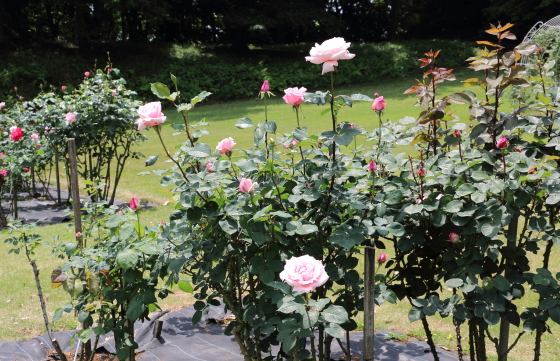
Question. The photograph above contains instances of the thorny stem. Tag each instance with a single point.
(379, 142)
(333, 115)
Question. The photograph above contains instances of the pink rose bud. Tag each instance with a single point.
(265, 87)
(134, 204)
(26, 170)
(63, 87)
(539, 50)
(247, 185)
(329, 53)
(502, 143)
(457, 133)
(38, 145)
(15, 88)
(421, 172)
(78, 234)
(225, 145)
(453, 237)
(70, 117)
(352, 126)
(16, 134)
(86, 73)
(209, 166)
(108, 69)
(294, 96)
(163, 222)
(378, 104)
(34, 137)
(304, 273)
(372, 167)
(376, 94)
(150, 115)
(382, 258)
(294, 143)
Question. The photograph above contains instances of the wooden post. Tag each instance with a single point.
(14, 199)
(56, 170)
(504, 322)
(158, 324)
(76, 207)
(369, 303)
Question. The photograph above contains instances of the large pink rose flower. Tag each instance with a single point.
(247, 185)
(294, 96)
(329, 53)
(16, 134)
(378, 104)
(150, 115)
(70, 117)
(304, 273)
(225, 145)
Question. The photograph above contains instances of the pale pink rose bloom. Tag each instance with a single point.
(382, 258)
(134, 203)
(86, 73)
(294, 143)
(34, 137)
(78, 234)
(150, 115)
(453, 237)
(294, 96)
(502, 143)
(247, 185)
(209, 166)
(225, 145)
(70, 117)
(2, 105)
(372, 167)
(378, 104)
(12, 129)
(265, 87)
(304, 273)
(329, 52)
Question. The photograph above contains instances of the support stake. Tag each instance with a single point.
(369, 303)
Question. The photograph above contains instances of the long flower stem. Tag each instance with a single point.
(297, 114)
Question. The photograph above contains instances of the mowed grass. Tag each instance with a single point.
(21, 317)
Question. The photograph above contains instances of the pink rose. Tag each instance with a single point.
(209, 166)
(453, 237)
(86, 73)
(2, 105)
(247, 185)
(70, 117)
(265, 87)
(329, 53)
(134, 204)
(304, 273)
(4, 173)
(372, 167)
(78, 234)
(294, 96)
(225, 145)
(378, 104)
(63, 87)
(457, 133)
(150, 115)
(502, 143)
(34, 137)
(353, 126)
(16, 134)
(382, 258)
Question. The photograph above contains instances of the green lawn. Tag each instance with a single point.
(21, 317)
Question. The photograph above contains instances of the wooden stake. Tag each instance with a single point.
(56, 170)
(369, 303)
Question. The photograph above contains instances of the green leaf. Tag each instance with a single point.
(501, 283)
(270, 127)
(361, 97)
(454, 282)
(307, 229)
(200, 150)
(289, 343)
(554, 314)
(335, 330)
(289, 304)
(127, 258)
(228, 225)
(396, 229)
(465, 189)
(414, 208)
(161, 90)
(335, 314)
(200, 97)
(393, 197)
(149, 249)
(478, 197)
(151, 160)
(415, 314)
(453, 206)
(491, 317)
(244, 123)
(185, 286)
(57, 315)
(85, 335)
(310, 318)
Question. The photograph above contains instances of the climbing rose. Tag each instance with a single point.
(225, 145)
(382, 258)
(378, 104)
(329, 53)
(70, 117)
(502, 143)
(304, 273)
(150, 115)
(16, 134)
(294, 96)
(372, 167)
(134, 203)
(247, 185)
(453, 237)
(265, 87)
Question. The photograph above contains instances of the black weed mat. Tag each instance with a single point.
(181, 340)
